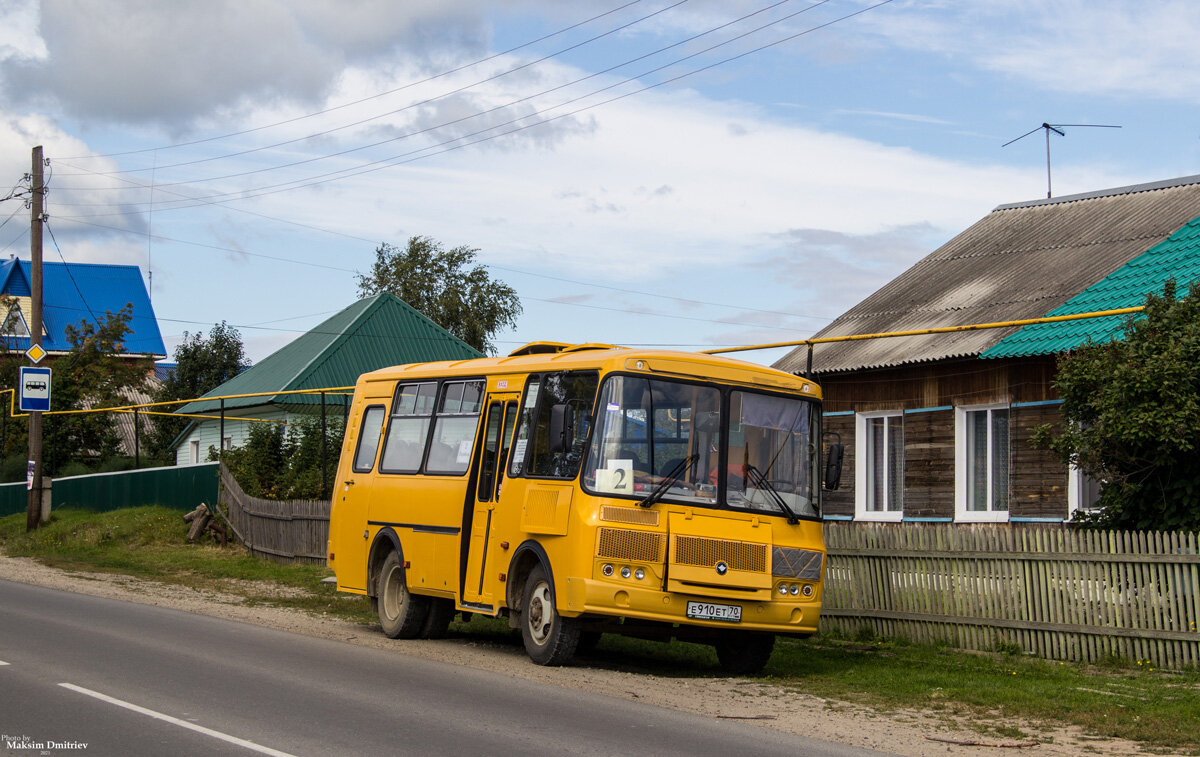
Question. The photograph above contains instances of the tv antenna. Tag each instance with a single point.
(1057, 129)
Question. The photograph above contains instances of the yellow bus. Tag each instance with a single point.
(586, 489)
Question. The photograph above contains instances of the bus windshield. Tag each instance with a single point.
(653, 433)
(772, 454)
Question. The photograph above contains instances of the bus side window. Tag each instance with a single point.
(577, 390)
(455, 427)
(491, 446)
(525, 429)
(510, 429)
(368, 439)
(408, 429)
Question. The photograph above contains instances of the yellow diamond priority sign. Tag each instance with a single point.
(35, 353)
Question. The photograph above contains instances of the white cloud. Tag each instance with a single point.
(19, 39)
(143, 61)
(1099, 47)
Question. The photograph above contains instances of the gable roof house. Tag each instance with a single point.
(373, 333)
(75, 292)
(938, 427)
(82, 291)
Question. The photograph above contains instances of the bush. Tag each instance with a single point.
(279, 463)
(1131, 411)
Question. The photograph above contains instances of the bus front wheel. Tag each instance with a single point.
(402, 614)
(550, 639)
(744, 653)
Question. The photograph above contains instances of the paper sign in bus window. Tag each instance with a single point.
(616, 477)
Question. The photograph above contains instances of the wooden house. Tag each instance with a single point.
(937, 427)
(373, 333)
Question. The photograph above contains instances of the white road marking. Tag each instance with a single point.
(2, 662)
(176, 721)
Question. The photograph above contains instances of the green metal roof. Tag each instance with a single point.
(1177, 257)
(373, 333)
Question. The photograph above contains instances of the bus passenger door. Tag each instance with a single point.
(351, 496)
(497, 437)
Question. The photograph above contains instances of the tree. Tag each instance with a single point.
(91, 375)
(439, 283)
(1131, 411)
(202, 364)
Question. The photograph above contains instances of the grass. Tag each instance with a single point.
(150, 542)
(989, 691)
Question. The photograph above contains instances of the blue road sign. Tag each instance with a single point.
(34, 389)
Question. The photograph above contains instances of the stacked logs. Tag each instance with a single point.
(202, 521)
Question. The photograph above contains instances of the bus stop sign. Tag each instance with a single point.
(34, 389)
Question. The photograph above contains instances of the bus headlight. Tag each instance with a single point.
(783, 590)
(625, 571)
(794, 589)
(639, 574)
(607, 570)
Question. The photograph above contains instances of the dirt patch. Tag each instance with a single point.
(905, 732)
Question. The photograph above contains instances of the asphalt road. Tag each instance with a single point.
(125, 678)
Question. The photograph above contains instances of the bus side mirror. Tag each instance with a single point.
(833, 466)
(562, 428)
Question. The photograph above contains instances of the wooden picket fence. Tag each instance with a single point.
(293, 530)
(1050, 591)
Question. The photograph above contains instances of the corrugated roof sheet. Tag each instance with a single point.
(1178, 257)
(1020, 261)
(373, 333)
(76, 292)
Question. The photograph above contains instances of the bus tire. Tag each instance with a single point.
(744, 653)
(402, 614)
(550, 639)
(437, 622)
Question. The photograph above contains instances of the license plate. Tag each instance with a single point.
(710, 611)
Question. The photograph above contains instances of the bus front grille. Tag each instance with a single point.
(636, 516)
(623, 544)
(738, 555)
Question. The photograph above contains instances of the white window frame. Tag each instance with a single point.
(862, 476)
(194, 451)
(961, 513)
(1075, 489)
(227, 443)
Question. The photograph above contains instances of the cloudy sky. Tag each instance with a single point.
(691, 173)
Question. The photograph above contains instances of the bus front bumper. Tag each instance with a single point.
(588, 596)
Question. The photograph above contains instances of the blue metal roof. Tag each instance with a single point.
(84, 291)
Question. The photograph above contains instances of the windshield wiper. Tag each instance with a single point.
(760, 482)
(673, 477)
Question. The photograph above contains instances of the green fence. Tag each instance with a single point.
(182, 488)
(14, 498)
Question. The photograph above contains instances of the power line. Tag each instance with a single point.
(641, 293)
(510, 104)
(450, 145)
(67, 266)
(410, 106)
(365, 99)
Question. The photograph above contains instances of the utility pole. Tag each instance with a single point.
(33, 514)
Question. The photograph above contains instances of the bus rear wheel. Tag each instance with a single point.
(744, 653)
(402, 614)
(550, 639)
